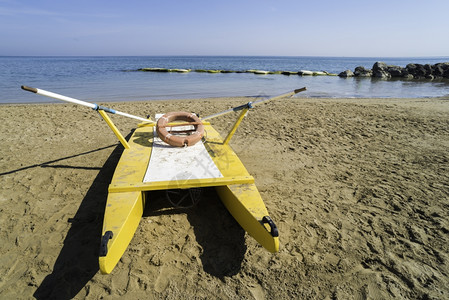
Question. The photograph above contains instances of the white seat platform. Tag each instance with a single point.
(168, 163)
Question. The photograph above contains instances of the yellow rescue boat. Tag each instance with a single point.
(149, 163)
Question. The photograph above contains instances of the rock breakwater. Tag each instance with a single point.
(257, 72)
(379, 70)
(411, 71)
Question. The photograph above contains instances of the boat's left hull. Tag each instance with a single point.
(122, 216)
(124, 209)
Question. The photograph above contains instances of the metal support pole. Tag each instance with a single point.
(111, 125)
(236, 125)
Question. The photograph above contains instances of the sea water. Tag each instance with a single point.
(116, 79)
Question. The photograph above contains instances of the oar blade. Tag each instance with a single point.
(300, 90)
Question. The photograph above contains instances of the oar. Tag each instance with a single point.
(94, 106)
(252, 104)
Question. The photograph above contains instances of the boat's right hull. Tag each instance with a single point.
(245, 204)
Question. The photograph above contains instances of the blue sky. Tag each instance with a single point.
(208, 27)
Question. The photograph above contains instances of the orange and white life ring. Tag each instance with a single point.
(180, 140)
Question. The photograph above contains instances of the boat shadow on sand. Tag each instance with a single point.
(221, 238)
(77, 262)
(219, 235)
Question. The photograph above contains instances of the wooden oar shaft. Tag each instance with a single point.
(94, 106)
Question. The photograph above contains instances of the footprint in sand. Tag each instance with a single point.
(256, 290)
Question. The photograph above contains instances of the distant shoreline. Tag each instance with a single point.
(242, 99)
(232, 98)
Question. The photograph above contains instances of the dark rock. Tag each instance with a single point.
(396, 71)
(422, 72)
(446, 73)
(362, 72)
(411, 68)
(406, 74)
(289, 73)
(441, 69)
(380, 70)
(437, 70)
(347, 73)
(444, 65)
(380, 66)
(381, 74)
(428, 69)
(417, 70)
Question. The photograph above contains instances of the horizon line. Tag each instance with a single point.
(215, 55)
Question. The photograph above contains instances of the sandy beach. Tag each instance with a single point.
(359, 189)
